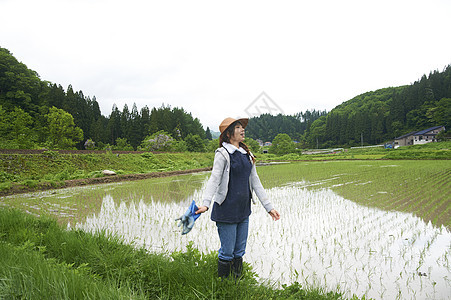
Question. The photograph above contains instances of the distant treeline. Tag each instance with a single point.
(373, 117)
(266, 127)
(385, 114)
(34, 113)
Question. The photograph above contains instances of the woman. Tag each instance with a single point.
(232, 181)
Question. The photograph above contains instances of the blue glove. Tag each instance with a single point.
(188, 218)
(187, 221)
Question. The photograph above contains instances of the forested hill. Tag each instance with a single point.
(387, 113)
(374, 117)
(265, 127)
(37, 113)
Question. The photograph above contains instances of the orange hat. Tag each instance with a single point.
(228, 121)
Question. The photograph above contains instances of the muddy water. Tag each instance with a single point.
(73, 205)
(322, 239)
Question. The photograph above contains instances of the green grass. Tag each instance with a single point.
(421, 187)
(27, 274)
(441, 150)
(40, 260)
(53, 168)
(53, 165)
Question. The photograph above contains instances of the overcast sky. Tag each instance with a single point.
(215, 58)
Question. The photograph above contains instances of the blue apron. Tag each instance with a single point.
(237, 204)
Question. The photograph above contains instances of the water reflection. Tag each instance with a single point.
(73, 205)
(322, 239)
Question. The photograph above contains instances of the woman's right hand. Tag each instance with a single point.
(201, 210)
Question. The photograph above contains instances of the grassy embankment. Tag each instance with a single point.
(441, 150)
(41, 260)
(53, 169)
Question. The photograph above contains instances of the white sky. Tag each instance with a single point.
(215, 58)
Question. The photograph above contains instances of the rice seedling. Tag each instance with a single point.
(361, 250)
(323, 240)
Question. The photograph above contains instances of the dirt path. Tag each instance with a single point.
(20, 189)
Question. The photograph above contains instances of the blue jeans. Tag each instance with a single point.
(233, 237)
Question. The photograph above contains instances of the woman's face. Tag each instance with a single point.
(238, 133)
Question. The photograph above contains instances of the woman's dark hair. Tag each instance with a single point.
(225, 137)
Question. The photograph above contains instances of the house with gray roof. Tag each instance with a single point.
(405, 140)
(427, 135)
(419, 137)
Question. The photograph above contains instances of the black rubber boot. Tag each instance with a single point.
(237, 267)
(224, 268)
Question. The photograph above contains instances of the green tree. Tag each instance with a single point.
(282, 144)
(396, 128)
(21, 128)
(19, 86)
(135, 134)
(15, 129)
(194, 143)
(114, 128)
(444, 135)
(145, 120)
(99, 131)
(253, 145)
(440, 114)
(179, 146)
(62, 132)
(122, 145)
(208, 134)
(212, 145)
(317, 132)
(125, 121)
(4, 129)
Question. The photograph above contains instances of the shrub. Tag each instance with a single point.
(179, 146)
(159, 141)
(123, 145)
(282, 144)
(89, 144)
(147, 155)
(194, 143)
(7, 177)
(212, 145)
(253, 145)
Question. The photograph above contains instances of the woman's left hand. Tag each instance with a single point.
(274, 214)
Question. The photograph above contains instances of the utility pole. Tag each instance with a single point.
(361, 138)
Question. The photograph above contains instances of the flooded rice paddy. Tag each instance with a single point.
(321, 240)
